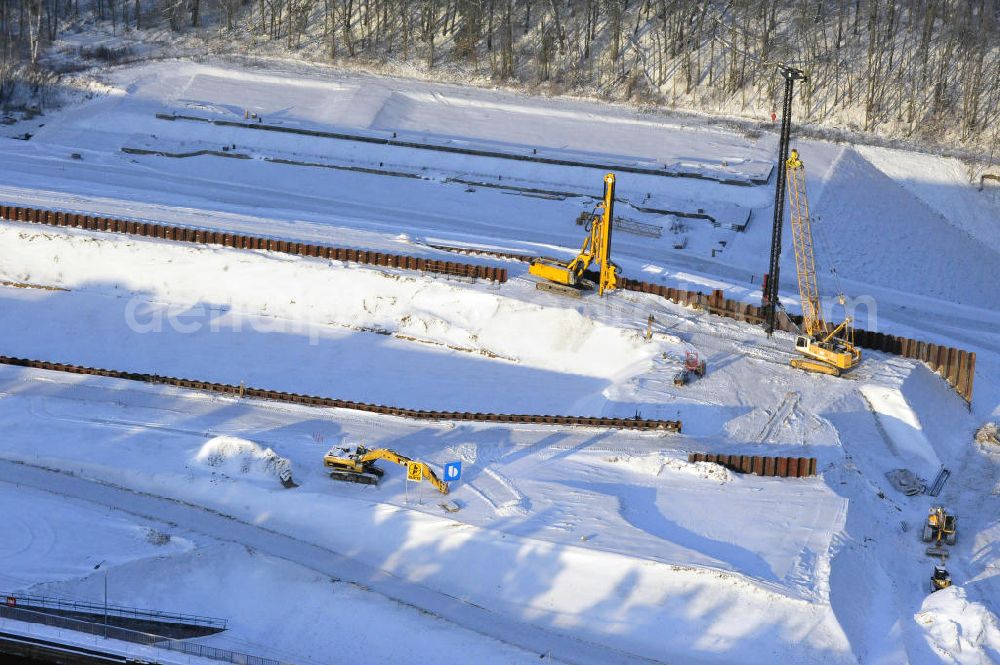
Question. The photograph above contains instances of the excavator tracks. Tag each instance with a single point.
(560, 289)
(814, 366)
(359, 478)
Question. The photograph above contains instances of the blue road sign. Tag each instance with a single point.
(452, 471)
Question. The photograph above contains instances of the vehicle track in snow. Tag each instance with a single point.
(221, 526)
(780, 415)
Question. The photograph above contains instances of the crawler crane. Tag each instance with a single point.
(358, 466)
(827, 349)
(569, 278)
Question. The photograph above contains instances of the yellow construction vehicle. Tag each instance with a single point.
(941, 579)
(940, 526)
(569, 278)
(358, 466)
(827, 349)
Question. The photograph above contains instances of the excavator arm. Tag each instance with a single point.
(382, 453)
(392, 456)
(427, 473)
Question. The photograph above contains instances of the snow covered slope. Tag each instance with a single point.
(575, 544)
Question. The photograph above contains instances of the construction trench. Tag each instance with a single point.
(386, 140)
(956, 366)
(241, 391)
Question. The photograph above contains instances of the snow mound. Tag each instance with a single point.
(436, 313)
(988, 433)
(235, 457)
(961, 631)
(707, 470)
(654, 465)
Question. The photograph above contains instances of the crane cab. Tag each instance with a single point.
(832, 357)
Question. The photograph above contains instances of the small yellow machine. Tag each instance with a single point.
(358, 466)
(940, 527)
(568, 278)
(827, 349)
(941, 579)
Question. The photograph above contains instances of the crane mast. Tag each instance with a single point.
(769, 297)
(569, 278)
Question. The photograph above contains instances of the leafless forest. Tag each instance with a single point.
(928, 70)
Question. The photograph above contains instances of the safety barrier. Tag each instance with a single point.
(330, 402)
(240, 241)
(784, 467)
(42, 603)
(135, 637)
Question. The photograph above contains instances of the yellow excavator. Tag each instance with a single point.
(358, 466)
(941, 527)
(570, 278)
(828, 349)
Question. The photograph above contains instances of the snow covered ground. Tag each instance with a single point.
(575, 544)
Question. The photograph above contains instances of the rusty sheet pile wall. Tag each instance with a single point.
(329, 402)
(240, 241)
(956, 366)
(785, 467)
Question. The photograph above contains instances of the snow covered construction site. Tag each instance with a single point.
(225, 288)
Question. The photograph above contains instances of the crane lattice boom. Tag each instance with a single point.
(828, 349)
(805, 261)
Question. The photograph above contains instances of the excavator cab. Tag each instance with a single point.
(350, 466)
(831, 356)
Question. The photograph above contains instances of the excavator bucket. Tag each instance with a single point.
(285, 474)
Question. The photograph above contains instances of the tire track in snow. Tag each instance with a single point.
(780, 416)
(220, 526)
